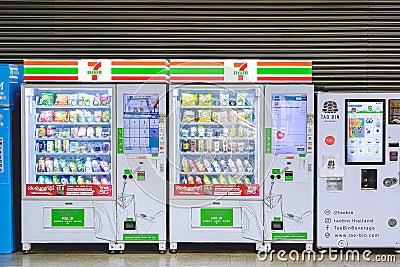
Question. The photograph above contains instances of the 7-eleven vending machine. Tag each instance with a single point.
(215, 153)
(77, 186)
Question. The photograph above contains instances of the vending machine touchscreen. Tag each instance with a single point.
(289, 115)
(141, 118)
(365, 131)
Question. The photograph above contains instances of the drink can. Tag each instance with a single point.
(225, 145)
(41, 131)
(201, 146)
(233, 146)
(216, 146)
(193, 145)
(208, 145)
(247, 180)
(50, 146)
(65, 145)
(190, 180)
(50, 131)
(56, 179)
(41, 165)
(57, 145)
(49, 165)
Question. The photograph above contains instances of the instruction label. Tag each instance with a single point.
(68, 217)
(216, 217)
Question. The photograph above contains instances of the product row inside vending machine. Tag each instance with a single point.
(167, 161)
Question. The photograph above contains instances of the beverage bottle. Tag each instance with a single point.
(200, 166)
(190, 180)
(230, 179)
(184, 179)
(88, 165)
(208, 166)
(233, 131)
(216, 165)
(223, 164)
(185, 146)
(231, 165)
(239, 165)
(200, 146)
(193, 166)
(247, 165)
(199, 180)
(222, 179)
(185, 165)
(214, 180)
(247, 180)
(206, 180)
(240, 131)
(56, 165)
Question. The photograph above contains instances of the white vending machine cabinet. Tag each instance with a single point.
(142, 164)
(68, 181)
(288, 165)
(358, 170)
(215, 170)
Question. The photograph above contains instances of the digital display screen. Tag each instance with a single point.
(289, 129)
(141, 117)
(365, 131)
(394, 111)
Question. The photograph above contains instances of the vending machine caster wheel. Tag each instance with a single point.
(162, 251)
(26, 251)
(112, 251)
(172, 251)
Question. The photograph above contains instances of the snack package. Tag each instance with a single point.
(205, 100)
(72, 116)
(46, 99)
(193, 131)
(188, 116)
(104, 100)
(216, 116)
(88, 117)
(61, 116)
(241, 98)
(96, 100)
(46, 116)
(224, 116)
(81, 99)
(65, 133)
(82, 131)
(188, 99)
(224, 98)
(88, 100)
(248, 115)
(97, 116)
(73, 99)
(73, 146)
(105, 116)
(233, 116)
(240, 115)
(61, 100)
(204, 115)
(79, 115)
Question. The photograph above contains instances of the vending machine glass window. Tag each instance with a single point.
(365, 131)
(71, 152)
(217, 144)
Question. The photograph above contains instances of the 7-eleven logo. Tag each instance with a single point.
(95, 65)
(241, 71)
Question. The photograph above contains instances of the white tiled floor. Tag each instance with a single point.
(132, 258)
